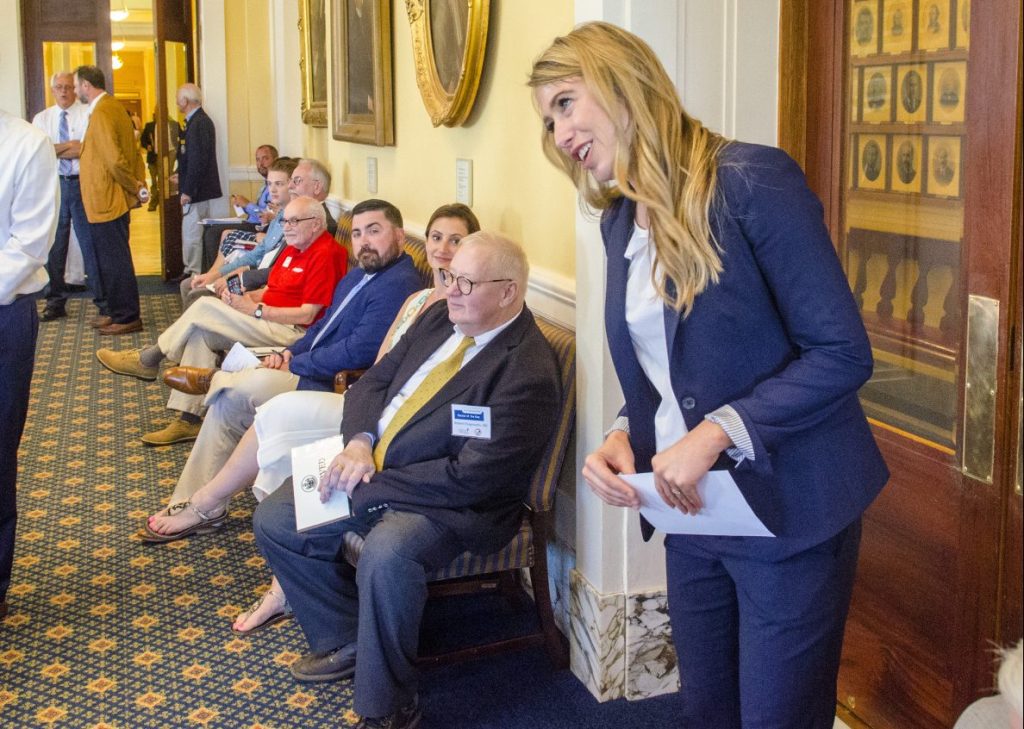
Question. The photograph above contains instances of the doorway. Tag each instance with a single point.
(145, 49)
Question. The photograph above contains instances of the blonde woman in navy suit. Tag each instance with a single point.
(738, 346)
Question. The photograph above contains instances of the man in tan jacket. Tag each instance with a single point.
(112, 182)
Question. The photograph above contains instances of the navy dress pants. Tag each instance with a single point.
(379, 605)
(19, 325)
(758, 627)
(117, 271)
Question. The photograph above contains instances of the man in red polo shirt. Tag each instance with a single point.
(298, 291)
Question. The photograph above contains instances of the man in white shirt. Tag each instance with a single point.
(28, 216)
(65, 123)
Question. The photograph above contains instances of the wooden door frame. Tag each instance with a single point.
(35, 28)
(814, 136)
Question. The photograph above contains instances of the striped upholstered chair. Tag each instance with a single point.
(473, 573)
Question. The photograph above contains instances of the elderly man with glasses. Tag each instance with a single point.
(300, 286)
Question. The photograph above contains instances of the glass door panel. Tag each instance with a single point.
(176, 70)
(59, 56)
(902, 206)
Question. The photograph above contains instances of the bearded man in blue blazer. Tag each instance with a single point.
(347, 336)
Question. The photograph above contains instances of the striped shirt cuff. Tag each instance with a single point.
(620, 423)
(730, 421)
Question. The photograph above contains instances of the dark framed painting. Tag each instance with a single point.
(363, 97)
(313, 61)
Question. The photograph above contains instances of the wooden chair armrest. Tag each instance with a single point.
(345, 379)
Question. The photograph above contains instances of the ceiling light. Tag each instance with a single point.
(116, 61)
(117, 45)
(119, 15)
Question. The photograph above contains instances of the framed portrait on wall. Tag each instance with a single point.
(876, 98)
(313, 61)
(871, 161)
(362, 93)
(911, 87)
(949, 84)
(897, 26)
(944, 166)
(963, 24)
(905, 168)
(449, 44)
(933, 25)
(863, 28)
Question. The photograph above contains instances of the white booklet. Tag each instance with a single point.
(239, 358)
(309, 463)
(725, 511)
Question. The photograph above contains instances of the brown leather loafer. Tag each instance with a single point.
(128, 328)
(190, 380)
(100, 321)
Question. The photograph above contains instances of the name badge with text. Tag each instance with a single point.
(471, 421)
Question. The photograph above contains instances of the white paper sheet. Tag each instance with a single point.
(725, 511)
(309, 462)
(239, 358)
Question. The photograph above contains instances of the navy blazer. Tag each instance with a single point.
(197, 159)
(779, 338)
(474, 487)
(353, 339)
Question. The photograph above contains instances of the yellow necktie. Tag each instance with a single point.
(430, 386)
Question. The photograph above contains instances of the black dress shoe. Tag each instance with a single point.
(52, 314)
(408, 717)
(328, 666)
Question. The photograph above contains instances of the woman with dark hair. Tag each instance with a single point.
(739, 348)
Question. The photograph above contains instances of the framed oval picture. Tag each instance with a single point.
(449, 41)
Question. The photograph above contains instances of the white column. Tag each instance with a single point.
(213, 79)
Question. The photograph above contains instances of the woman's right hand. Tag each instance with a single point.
(601, 471)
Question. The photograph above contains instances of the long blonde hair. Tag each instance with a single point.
(665, 159)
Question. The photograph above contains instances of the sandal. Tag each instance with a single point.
(208, 522)
(283, 614)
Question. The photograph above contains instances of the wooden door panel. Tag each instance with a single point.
(939, 576)
(898, 654)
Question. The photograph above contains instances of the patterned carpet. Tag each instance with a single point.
(106, 631)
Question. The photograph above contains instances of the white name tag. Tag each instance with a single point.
(471, 421)
(287, 262)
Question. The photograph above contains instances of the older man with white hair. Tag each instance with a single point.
(300, 287)
(198, 177)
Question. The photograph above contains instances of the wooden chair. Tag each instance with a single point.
(473, 573)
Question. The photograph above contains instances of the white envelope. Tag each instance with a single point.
(725, 511)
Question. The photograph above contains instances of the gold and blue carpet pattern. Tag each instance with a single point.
(105, 631)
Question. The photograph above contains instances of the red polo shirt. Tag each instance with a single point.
(307, 277)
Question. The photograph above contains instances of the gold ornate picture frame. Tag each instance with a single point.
(362, 94)
(449, 41)
(313, 61)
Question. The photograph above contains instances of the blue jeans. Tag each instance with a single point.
(72, 212)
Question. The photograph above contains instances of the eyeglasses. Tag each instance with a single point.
(63, 87)
(292, 222)
(464, 285)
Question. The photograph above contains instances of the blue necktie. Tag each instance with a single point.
(64, 135)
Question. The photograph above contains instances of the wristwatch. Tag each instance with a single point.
(259, 311)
